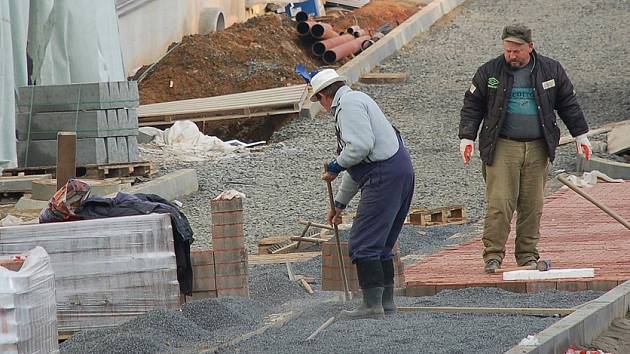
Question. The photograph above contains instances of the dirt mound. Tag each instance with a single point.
(258, 54)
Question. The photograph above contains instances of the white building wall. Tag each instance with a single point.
(148, 27)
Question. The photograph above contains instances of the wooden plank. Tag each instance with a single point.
(143, 122)
(281, 258)
(384, 78)
(490, 310)
(261, 98)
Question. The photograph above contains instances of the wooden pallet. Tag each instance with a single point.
(451, 215)
(131, 169)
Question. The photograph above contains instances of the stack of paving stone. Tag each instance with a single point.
(102, 114)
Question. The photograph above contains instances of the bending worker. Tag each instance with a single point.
(513, 98)
(376, 162)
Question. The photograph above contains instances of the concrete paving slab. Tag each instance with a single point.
(90, 151)
(172, 186)
(28, 203)
(45, 126)
(111, 144)
(88, 96)
(619, 139)
(132, 148)
(20, 183)
(123, 149)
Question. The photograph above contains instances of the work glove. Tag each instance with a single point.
(583, 146)
(466, 149)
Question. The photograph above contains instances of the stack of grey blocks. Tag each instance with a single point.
(103, 115)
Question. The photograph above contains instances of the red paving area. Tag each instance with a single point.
(574, 234)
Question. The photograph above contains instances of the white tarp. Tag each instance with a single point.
(13, 29)
(184, 140)
(82, 42)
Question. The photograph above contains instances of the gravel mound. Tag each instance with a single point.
(212, 314)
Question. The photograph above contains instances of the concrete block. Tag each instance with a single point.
(90, 151)
(619, 139)
(172, 186)
(123, 149)
(132, 119)
(28, 203)
(132, 149)
(73, 97)
(611, 168)
(111, 145)
(19, 183)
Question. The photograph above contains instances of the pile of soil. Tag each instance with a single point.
(258, 54)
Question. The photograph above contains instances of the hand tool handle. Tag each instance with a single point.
(603, 207)
(331, 200)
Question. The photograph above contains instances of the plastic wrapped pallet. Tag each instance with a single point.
(106, 270)
(28, 317)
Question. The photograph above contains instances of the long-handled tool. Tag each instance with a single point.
(331, 200)
(598, 204)
(541, 265)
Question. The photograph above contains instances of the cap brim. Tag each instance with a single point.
(515, 40)
(325, 85)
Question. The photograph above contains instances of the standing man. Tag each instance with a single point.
(376, 162)
(513, 98)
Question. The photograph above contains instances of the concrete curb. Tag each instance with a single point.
(390, 44)
(171, 186)
(582, 326)
(611, 168)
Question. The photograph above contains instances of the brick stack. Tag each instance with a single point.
(331, 275)
(102, 114)
(204, 278)
(228, 242)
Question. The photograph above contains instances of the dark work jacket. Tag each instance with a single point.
(486, 102)
(140, 204)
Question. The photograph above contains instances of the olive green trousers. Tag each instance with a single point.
(514, 182)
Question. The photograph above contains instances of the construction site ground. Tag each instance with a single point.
(281, 181)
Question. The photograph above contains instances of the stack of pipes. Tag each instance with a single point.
(330, 45)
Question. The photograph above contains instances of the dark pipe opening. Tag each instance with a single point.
(319, 48)
(330, 57)
(301, 16)
(317, 30)
(303, 28)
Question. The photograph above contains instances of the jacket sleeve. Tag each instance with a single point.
(348, 189)
(567, 105)
(474, 109)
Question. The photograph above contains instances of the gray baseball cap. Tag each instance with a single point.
(517, 33)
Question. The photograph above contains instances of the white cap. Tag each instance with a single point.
(323, 79)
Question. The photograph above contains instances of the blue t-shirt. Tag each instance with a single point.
(521, 120)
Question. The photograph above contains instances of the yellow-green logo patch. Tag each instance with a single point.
(493, 82)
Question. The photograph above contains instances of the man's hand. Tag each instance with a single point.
(334, 217)
(466, 149)
(328, 176)
(583, 146)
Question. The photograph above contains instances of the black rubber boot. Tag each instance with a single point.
(370, 274)
(388, 281)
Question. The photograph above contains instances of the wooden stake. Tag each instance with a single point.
(322, 327)
(66, 157)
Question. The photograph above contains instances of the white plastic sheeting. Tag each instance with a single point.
(70, 41)
(82, 44)
(28, 311)
(184, 140)
(13, 29)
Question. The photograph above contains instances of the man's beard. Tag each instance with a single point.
(516, 64)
